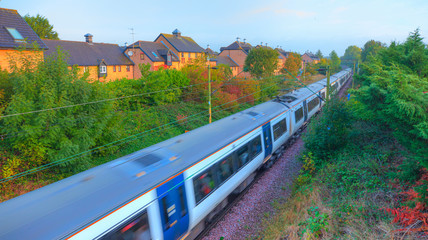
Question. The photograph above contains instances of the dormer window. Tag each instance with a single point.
(103, 69)
(15, 34)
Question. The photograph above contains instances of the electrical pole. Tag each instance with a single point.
(353, 71)
(209, 88)
(328, 83)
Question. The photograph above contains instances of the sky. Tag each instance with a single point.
(295, 25)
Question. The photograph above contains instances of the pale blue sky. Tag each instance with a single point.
(296, 25)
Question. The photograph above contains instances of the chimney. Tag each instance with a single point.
(88, 38)
(176, 33)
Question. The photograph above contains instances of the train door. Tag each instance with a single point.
(267, 139)
(305, 110)
(173, 208)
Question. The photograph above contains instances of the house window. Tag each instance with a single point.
(85, 69)
(196, 55)
(114, 68)
(128, 68)
(15, 34)
(189, 55)
(182, 55)
(103, 69)
(141, 56)
(120, 68)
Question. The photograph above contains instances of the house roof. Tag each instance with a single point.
(226, 60)
(11, 19)
(246, 47)
(210, 52)
(157, 52)
(312, 56)
(181, 43)
(89, 54)
(282, 52)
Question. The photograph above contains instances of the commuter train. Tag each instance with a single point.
(169, 190)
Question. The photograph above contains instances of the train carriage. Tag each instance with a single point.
(168, 190)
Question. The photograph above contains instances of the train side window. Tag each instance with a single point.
(243, 155)
(137, 228)
(256, 147)
(323, 95)
(226, 168)
(313, 103)
(165, 213)
(203, 185)
(298, 114)
(279, 129)
(182, 196)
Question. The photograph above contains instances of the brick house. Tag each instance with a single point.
(283, 54)
(309, 57)
(184, 48)
(103, 61)
(237, 52)
(153, 53)
(16, 33)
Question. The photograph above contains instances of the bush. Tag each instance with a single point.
(329, 131)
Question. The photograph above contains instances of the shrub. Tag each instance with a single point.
(329, 131)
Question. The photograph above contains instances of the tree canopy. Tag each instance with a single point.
(335, 61)
(319, 54)
(293, 63)
(352, 55)
(41, 27)
(261, 62)
(370, 48)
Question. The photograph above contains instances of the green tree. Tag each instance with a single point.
(351, 56)
(41, 26)
(335, 62)
(261, 62)
(371, 47)
(52, 135)
(319, 54)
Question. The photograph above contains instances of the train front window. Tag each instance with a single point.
(137, 228)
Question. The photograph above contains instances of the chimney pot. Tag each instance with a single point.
(176, 33)
(88, 37)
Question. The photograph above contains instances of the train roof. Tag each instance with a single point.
(59, 209)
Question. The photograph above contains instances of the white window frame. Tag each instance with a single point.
(103, 69)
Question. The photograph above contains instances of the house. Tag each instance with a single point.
(16, 33)
(103, 61)
(153, 53)
(229, 62)
(283, 56)
(309, 57)
(184, 48)
(237, 52)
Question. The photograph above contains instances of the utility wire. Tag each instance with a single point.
(70, 158)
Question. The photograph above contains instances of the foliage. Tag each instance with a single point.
(41, 26)
(352, 56)
(293, 63)
(261, 62)
(335, 62)
(48, 136)
(307, 171)
(330, 130)
(315, 224)
(144, 69)
(319, 54)
(371, 48)
(165, 86)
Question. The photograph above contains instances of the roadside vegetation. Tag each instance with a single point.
(55, 122)
(364, 173)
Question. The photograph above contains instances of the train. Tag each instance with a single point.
(169, 190)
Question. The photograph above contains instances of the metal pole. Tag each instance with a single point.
(353, 71)
(209, 89)
(328, 83)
